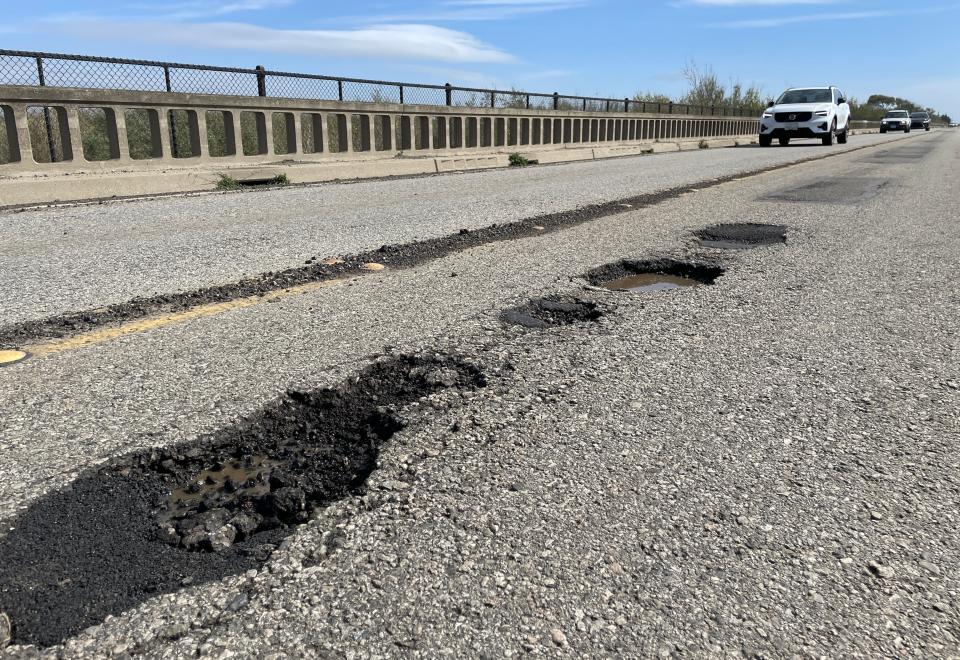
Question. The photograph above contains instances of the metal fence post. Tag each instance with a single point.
(449, 93)
(340, 90)
(626, 105)
(608, 105)
(556, 101)
(670, 108)
(261, 81)
(528, 101)
(51, 145)
(493, 99)
(173, 120)
(401, 94)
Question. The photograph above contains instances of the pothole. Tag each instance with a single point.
(741, 235)
(835, 190)
(551, 312)
(653, 275)
(158, 520)
(649, 283)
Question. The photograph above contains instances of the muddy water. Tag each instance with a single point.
(250, 477)
(649, 283)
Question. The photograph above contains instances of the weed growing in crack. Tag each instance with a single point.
(227, 182)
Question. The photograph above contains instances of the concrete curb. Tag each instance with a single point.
(25, 190)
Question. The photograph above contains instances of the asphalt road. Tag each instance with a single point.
(82, 257)
(765, 466)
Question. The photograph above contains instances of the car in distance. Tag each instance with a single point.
(806, 112)
(920, 120)
(895, 120)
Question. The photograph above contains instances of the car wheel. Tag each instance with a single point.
(842, 137)
(765, 140)
(906, 130)
(828, 138)
(926, 128)
(883, 130)
(784, 141)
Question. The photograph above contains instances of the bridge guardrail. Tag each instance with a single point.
(63, 70)
(68, 129)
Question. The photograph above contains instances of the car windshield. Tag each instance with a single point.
(919, 115)
(896, 113)
(806, 96)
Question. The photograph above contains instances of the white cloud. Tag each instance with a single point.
(755, 3)
(476, 10)
(834, 16)
(187, 9)
(407, 42)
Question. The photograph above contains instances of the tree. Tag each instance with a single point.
(877, 105)
(706, 90)
(651, 97)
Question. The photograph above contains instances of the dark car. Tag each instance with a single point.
(920, 120)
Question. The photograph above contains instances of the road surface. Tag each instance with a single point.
(764, 466)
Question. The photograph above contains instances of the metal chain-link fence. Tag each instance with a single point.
(59, 70)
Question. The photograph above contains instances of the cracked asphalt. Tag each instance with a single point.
(81, 257)
(766, 466)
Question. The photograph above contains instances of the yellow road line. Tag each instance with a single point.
(102, 335)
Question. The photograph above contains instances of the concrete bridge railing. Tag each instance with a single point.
(51, 130)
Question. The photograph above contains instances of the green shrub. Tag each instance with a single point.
(281, 179)
(227, 182)
(518, 160)
(703, 144)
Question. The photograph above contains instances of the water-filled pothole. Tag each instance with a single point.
(155, 521)
(552, 311)
(652, 275)
(741, 235)
(649, 283)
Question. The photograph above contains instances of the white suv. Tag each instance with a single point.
(806, 112)
(896, 120)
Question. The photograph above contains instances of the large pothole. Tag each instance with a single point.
(741, 235)
(552, 311)
(652, 275)
(155, 521)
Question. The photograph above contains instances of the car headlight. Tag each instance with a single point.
(822, 113)
(767, 115)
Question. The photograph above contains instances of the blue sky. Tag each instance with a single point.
(592, 47)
